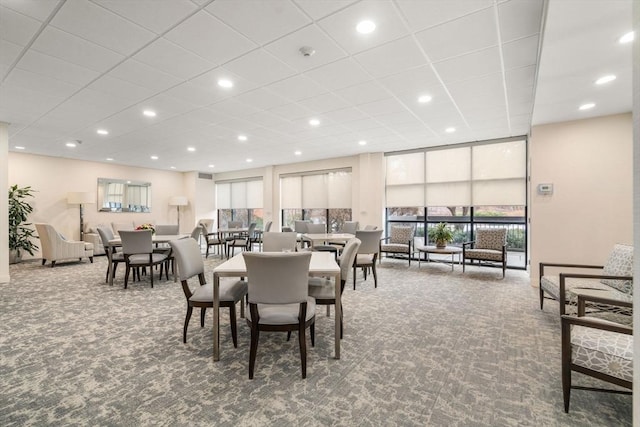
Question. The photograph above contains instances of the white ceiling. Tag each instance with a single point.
(71, 67)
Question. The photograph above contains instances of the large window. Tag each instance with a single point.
(240, 201)
(468, 186)
(322, 197)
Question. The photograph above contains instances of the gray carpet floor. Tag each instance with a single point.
(428, 347)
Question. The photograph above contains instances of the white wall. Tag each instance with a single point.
(589, 162)
(4, 205)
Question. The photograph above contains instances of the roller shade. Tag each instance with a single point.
(239, 195)
(330, 190)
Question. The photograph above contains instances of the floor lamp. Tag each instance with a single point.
(178, 201)
(81, 198)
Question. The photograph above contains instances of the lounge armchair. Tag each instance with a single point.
(490, 246)
(55, 248)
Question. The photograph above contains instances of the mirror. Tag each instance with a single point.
(121, 195)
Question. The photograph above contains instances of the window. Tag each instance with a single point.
(240, 201)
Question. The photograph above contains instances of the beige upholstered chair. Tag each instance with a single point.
(242, 241)
(349, 227)
(400, 241)
(55, 248)
(117, 226)
(137, 248)
(116, 257)
(279, 298)
(167, 230)
(196, 233)
(490, 246)
(370, 227)
(279, 242)
(615, 276)
(190, 264)
(597, 348)
(323, 290)
(213, 239)
(367, 254)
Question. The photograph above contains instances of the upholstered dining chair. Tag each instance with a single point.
(117, 257)
(267, 226)
(490, 246)
(196, 233)
(367, 254)
(165, 230)
(400, 241)
(137, 248)
(279, 242)
(55, 248)
(242, 241)
(279, 299)
(213, 239)
(323, 290)
(370, 227)
(191, 264)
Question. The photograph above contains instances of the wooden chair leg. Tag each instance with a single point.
(253, 349)
(234, 327)
(186, 324)
(303, 349)
(375, 275)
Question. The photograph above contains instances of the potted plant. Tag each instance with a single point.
(20, 234)
(441, 234)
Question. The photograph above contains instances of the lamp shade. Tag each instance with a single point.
(80, 197)
(178, 201)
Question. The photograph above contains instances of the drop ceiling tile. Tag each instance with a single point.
(297, 88)
(172, 59)
(324, 103)
(262, 98)
(167, 106)
(194, 94)
(249, 18)
(266, 119)
(148, 14)
(122, 89)
(426, 14)
(98, 25)
(52, 87)
(466, 34)
(76, 50)
(17, 28)
(391, 58)
(144, 75)
(346, 115)
(260, 67)
(319, 9)
(520, 53)
(53, 67)
(363, 125)
(8, 53)
(363, 93)
(519, 18)
(36, 9)
(469, 66)
(210, 38)
(209, 81)
(292, 111)
(341, 26)
(485, 87)
(340, 74)
(287, 48)
(382, 107)
(24, 105)
(233, 108)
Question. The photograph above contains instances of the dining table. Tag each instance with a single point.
(321, 264)
(155, 238)
(322, 238)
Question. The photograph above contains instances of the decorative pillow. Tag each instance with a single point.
(490, 238)
(401, 234)
(619, 263)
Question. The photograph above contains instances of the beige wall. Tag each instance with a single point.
(4, 205)
(589, 162)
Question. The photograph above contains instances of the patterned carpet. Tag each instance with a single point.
(428, 347)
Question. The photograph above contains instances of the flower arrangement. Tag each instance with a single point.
(147, 227)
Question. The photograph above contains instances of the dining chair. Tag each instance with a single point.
(370, 227)
(349, 227)
(196, 233)
(213, 239)
(242, 241)
(279, 242)
(117, 257)
(164, 230)
(137, 248)
(191, 264)
(323, 290)
(267, 226)
(279, 299)
(367, 254)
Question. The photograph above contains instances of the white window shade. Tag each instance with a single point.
(291, 192)
(238, 195)
(499, 192)
(405, 169)
(339, 190)
(223, 195)
(314, 191)
(499, 161)
(449, 194)
(404, 196)
(255, 199)
(450, 165)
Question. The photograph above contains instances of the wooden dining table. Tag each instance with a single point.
(321, 238)
(321, 264)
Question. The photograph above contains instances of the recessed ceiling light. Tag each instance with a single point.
(172, 167)
(605, 79)
(225, 83)
(298, 153)
(366, 27)
(242, 137)
(149, 113)
(191, 149)
(102, 132)
(154, 157)
(450, 130)
(109, 159)
(70, 144)
(249, 160)
(424, 98)
(627, 37)
(587, 106)
(212, 166)
(362, 142)
(314, 122)
(19, 147)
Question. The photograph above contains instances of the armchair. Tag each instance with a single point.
(55, 248)
(490, 246)
(399, 242)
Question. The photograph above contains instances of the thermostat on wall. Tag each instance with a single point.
(545, 189)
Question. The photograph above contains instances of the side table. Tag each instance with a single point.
(447, 250)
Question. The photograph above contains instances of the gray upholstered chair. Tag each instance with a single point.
(213, 239)
(400, 241)
(267, 226)
(137, 248)
(490, 247)
(191, 264)
(597, 348)
(279, 242)
(196, 233)
(106, 234)
(370, 227)
(279, 298)
(367, 254)
(349, 227)
(55, 248)
(242, 241)
(615, 277)
(316, 228)
(323, 290)
(166, 230)
(117, 226)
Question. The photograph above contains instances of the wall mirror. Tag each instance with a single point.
(122, 195)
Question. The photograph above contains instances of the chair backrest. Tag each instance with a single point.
(370, 241)
(619, 263)
(287, 229)
(234, 224)
(267, 226)
(370, 227)
(46, 234)
(188, 256)
(278, 242)
(491, 238)
(195, 234)
(350, 227)
(277, 278)
(316, 228)
(207, 222)
(136, 241)
(165, 230)
(252, 229)
(401, 234)
(117, 226)
(106, 234)
(300, 226)
(347, 256)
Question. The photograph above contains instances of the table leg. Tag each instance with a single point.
(110, 250)
(338, 314)
(452, 254)
(216, 317)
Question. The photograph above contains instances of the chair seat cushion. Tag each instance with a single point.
(320, 288)
(143, 259)
(394, 247)
(551, 285)
(283, 314)
(364, 259)
(229, 291)
(118, 256)
(483, 254)
(603, 351)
